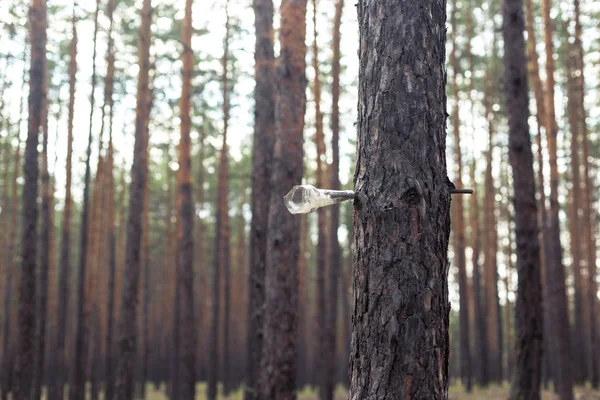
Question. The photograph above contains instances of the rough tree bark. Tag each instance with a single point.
(139, 169)
(185, 260)
(526, 379)
(400, 342)
(281, 277)
(458, 216)
(29, 211)
(264, 131)
(557, 302)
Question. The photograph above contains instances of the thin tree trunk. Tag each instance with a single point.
(323, 362)
(281, 277)
(145, 288)
(400, 343)
(139, 170)
(37, 96)
(534, 77)
(304, 322)
(185, 261)
(11, 271)
(557, 302)
(458, 218)
(56, 389)
(44, 240)
(201, 264)
(10, 232)
(479, 354)
(264, 134)
(222, 247)
(587, 206)
(223, 205)
(333, 242)
(526, 381)
(110, 233)
(490, 248)
(579, 350)
(78, 366)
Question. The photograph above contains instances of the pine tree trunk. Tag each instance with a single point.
(264, 134)
(538, 89)
(78, 366)
(400, 342)
(27, 290)
(526, 381)
(44, 244)
(201, 265)
(489, 248)
(458, 219)
(145, 289)
(281, 278)
(557, 302)
(334, 222)
(11, 272)
(56, 390)
(579, 350)
(110, 233)
(304, 322)
(323, 362)
(587, 207)
(139, 170)
(223, 205)
(185, 264)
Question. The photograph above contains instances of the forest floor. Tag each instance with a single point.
(456, 392)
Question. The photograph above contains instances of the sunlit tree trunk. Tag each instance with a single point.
(334, 251)
(281, 282)
(458, 217)
(222, 240)
(579, 350)
(588, 210)
(56, 389)
(557, 301)
(185, 248)
(538, 89)
(320, 328)
(489, 247)
(111, 231)
(139, 170)
(27, 289)
(400, 342)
